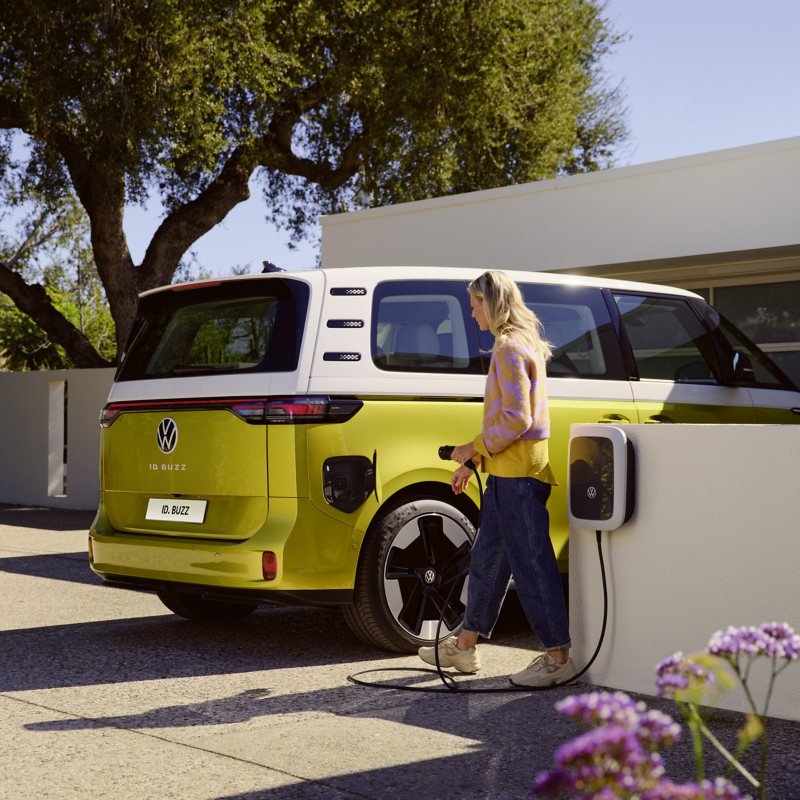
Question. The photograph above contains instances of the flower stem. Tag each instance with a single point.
(713, 739)
(762, 789)
(693, 720)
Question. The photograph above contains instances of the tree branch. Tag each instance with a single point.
(34, 301)
(31, 243)
(187, 224)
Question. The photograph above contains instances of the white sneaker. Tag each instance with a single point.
(451, 656)
(544, 670)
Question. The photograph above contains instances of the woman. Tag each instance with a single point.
(515, 525)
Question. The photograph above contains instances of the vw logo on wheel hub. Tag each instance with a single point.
(592, 492)
(430, 576)
(167, 435)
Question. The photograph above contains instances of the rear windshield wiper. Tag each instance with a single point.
(188, 369)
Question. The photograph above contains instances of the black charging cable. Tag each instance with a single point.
(451, 685)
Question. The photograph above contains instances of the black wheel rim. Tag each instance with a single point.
(425, 560)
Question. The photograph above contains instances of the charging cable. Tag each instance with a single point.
(451, 685)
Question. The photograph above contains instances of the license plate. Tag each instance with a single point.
(174, 510)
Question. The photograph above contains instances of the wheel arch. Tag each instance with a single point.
(433, 489)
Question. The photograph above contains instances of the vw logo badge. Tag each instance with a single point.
(592, 492)
(167, 435)
(430, 576)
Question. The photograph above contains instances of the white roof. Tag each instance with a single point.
(356, 276)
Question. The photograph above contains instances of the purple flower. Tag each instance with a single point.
(720, 789)
(602, 708)
(677, 673)
(553, 784)
(651, 728)
(733, 642)
(602, 744)
(772, 639)
(781, 641)
(657, 729)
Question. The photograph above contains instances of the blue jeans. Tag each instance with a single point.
(515, 539)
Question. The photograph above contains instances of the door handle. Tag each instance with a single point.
(658, 419)
(619, 419)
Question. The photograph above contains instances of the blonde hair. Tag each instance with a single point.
(507, 313)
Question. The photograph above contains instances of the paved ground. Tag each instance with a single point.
(105, 694)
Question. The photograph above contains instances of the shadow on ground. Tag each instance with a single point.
(45, 519)
(73, 567)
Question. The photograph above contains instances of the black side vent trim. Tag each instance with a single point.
(348, 291)
(341, 357)
(345, 323)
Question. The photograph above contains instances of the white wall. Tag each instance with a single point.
(741, 199)
(31, 436)
(713, 542)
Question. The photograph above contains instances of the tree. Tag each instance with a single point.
(330, 102)
(49, 250)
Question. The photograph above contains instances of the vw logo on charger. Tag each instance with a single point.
(167, 435)
(592, 492)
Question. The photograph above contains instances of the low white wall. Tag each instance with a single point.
(713, 542)
(32, 435)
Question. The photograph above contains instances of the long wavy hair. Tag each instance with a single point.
(507, 313)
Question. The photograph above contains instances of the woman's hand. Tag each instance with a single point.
(464, 452)
(460, 479)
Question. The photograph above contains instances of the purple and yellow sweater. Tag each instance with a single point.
(516, 420)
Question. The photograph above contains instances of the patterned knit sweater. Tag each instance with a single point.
(516, 419)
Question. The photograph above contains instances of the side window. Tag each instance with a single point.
(424, 326)
(579, 328)
(669, 342)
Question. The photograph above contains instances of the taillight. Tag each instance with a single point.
(269, 565)
(255, 410)
(289, 409)
(108, 415)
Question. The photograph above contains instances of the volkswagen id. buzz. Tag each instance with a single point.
(273, 439)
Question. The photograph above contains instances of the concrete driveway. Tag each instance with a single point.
(104, 693)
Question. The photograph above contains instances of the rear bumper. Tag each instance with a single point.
(265, 597)
(316, 555)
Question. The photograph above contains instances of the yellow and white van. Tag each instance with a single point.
(273, 438)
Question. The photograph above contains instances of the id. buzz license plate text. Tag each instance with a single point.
(176, 510)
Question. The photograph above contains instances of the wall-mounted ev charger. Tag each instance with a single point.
(601, 479)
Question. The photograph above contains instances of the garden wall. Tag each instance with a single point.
(714, 541)
(33, 458)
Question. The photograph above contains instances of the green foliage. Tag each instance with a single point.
(333, 104)
(51, 245)
(23, 344)
(445, 97)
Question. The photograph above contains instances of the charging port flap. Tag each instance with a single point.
(347, 481)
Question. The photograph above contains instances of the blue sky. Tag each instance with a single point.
(700, 75)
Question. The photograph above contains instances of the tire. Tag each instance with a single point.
(408, 567)
(198, 609)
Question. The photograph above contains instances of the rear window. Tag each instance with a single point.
(238, 326)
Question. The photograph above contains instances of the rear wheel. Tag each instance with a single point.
(414, 558)
(197, 608)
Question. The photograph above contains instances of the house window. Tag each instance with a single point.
(769, 314)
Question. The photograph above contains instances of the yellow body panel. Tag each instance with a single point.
(777, 416)
(264, 486)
